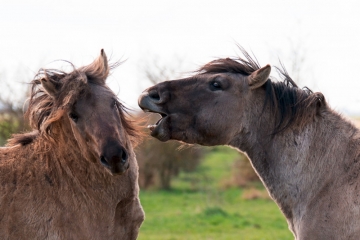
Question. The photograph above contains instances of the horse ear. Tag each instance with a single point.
(98, 69)
(104, 62)
(48, 86)
(259, 77)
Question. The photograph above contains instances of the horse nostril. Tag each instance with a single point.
(114, 157)
(104, 161)
(154, 95)
(124, 156)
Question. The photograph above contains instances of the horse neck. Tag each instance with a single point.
(296, 164)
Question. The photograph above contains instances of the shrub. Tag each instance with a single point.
(242, 174)
(159, 162)
(12, 99)
(253, 193)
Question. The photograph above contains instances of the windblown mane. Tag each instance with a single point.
(44, 110)
(290, 104)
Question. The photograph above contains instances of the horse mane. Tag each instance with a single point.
(23, 138)
(232, 65)
(44, 110)
(290, 104)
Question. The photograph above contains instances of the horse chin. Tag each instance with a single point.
(161, 129)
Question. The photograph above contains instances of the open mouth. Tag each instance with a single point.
(161, 129)
(152, 127)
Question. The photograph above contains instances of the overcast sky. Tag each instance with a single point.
(325, 34)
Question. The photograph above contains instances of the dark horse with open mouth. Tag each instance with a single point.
(306, 154)
(75, 176)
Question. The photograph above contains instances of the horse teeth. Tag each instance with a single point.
(151, 127)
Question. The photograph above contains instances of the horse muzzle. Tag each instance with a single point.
(115, 158)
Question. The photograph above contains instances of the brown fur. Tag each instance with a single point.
(52, 183)
(307, 156)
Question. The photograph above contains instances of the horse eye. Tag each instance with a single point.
(115, 105)
(214, 86)
(74, 117)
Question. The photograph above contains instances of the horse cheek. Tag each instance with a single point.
(83, 140)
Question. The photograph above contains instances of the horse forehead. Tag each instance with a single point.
(97, 99)
(178, 84)
(100, 94)
(204, 78)
(192, 83)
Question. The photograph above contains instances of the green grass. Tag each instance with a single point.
(199, 208)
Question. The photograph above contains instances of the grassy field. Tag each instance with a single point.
(200, 207)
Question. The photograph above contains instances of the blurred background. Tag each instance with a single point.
(188, 192)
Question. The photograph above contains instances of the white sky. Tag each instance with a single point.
(326, 33)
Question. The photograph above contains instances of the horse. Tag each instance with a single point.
(75, 175)
(306, 154)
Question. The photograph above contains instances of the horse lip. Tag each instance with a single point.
(118, 171)
(163, 114)
(153, 126)
(122, 171)
(160, 129)
(147, 105)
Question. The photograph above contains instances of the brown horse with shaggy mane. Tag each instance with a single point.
(75, 176)
(307, 155)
